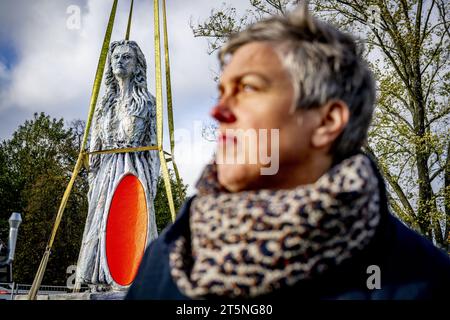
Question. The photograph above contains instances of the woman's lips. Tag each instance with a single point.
(222, 114)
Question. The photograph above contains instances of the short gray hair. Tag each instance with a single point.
(324, 64)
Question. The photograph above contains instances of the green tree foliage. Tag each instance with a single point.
(36, 165)
(7, 195)
(408, 48)
(35, 168)
(162, 211)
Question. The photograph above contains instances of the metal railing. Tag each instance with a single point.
(14, 289)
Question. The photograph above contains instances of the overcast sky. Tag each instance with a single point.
(45, 66)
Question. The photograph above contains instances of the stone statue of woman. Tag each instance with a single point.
(126, 117)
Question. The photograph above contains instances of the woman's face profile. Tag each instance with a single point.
(123, 61)
(256, 99)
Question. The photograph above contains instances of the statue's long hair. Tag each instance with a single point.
(138, 81)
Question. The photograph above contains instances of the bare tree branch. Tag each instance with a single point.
(437, 173)
(398, 116)
(434, 54)
(442, 13)
(395, 186)
(425, 32)
(441, 114)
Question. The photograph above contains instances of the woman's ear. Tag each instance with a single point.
(334, 118)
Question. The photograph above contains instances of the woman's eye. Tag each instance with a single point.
(248, 88)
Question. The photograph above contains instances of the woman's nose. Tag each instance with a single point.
(222, 113)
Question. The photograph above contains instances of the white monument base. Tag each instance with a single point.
(114, 295)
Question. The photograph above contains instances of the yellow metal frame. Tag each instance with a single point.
(83, 155)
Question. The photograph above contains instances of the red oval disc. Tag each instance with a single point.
(126, 230)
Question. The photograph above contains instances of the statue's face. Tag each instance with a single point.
(123, 61)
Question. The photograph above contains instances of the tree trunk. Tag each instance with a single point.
(427, 209)
(447, 199)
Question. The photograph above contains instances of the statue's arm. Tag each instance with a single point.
(143, 123)
(152, 126)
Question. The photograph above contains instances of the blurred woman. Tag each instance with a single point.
(317, 224)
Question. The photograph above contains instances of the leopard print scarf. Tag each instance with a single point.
(251, 243)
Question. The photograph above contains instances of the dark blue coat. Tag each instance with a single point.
(411, 267)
